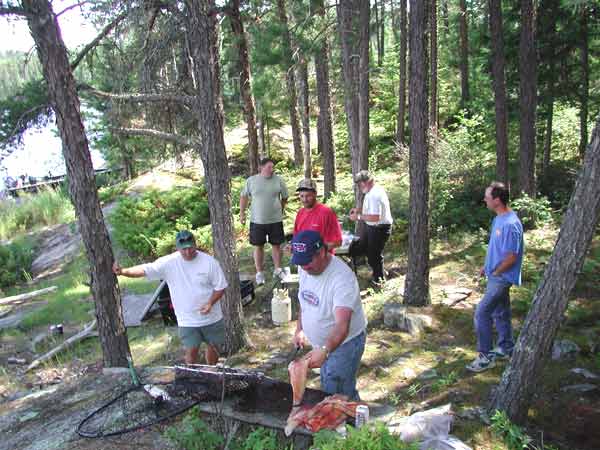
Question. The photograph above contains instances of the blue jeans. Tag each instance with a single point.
(494, 309)
(338, 372)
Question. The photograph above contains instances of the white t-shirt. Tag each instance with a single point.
(191, 283)
(320, 294)
(376, 202)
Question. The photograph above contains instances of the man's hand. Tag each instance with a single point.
(353, 215)
(482, 272)
(205, 309)
(117, 269)
(316, 357)
(299, 339)
(243, 218)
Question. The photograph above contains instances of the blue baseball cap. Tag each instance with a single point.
(305, 245)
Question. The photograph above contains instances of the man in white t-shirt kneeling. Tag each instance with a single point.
(331, 314)
(377, 215)
(196, 283)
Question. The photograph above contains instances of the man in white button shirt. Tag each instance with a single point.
(377, 215)
(196, 283)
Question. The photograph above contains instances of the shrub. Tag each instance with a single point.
(109, 193)
(372, 437)
(533, 212)
(15, 262)
(146, 226)
(193, 434)
(31, 211)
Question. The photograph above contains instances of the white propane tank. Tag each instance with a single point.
(281, 307)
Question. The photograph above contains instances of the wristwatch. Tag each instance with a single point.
(326, 350)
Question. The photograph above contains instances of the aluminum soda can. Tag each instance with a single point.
(362, 415)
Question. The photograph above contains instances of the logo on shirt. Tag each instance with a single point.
(498, 232)
(310, 297)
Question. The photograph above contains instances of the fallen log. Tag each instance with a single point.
(27, 296)
(86, 332)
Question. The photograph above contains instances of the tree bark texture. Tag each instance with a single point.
(237, 26)
(521, 376)
(401, 119)
(201, 24)
(585, 82)
(527, 99)
(324, 127)
(463, 30)
(305, 116)
(82, 186)
(416, 291)
(433, 108)
(290, 79)
(499, 86)
(353, 26)
(445, 18)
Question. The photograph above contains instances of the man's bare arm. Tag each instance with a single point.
(506, 264)
(130, 272)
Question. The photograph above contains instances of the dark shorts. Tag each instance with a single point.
(259, 232)
(213, 334)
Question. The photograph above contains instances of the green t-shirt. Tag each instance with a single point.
(266, 195)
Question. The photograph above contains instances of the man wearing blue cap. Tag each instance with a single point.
(331, 314)
(196, 283)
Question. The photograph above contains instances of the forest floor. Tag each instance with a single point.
(41, 408)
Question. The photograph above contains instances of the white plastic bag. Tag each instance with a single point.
(424, 425)
(448, 443)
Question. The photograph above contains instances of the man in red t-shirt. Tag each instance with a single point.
(316, 216)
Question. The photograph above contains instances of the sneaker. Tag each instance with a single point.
(497, 353)
(481, 363)
(260, 278)
(279, 273)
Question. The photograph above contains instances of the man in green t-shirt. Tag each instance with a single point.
(269, 195)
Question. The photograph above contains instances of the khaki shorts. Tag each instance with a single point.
(213, 334)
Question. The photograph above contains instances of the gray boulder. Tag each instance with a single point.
(406, 319)
(564, 348)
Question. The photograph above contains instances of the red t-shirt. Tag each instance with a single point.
(322, 219)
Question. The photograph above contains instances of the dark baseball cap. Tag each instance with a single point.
(305, 245)
(184, 239)
(307, 185)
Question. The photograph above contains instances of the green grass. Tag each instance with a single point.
(34, 211)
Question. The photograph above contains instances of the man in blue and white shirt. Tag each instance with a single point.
(502, 269)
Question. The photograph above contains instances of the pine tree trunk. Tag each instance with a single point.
(527, 99)
(353, 26)
(377, 31)
(291, 84)
(203, 39)
(305, 116)
(382, 29)
(416, 290)
(237, 26)
(548, 137)
(548, 14)
(585, 82)
(401, 119)
(445, 18)
(495, 7)
(433, 109)
(82, 186)
(463, 20)
(521, 377)
(324, 127)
